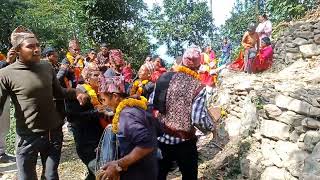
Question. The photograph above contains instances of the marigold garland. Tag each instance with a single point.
(92, 93)
(136, 89)
(70, 58)
(130, 102)
(188, 71)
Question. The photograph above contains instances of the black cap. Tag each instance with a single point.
(48, 50)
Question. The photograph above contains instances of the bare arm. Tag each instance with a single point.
(243, 42)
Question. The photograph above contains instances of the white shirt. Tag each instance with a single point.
(264, 29)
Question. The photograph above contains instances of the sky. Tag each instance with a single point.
(221, 11)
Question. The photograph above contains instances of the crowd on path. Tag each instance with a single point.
(147, 119)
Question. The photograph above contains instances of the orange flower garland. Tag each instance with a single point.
(137, 87)
(188, 71)
(130, 102)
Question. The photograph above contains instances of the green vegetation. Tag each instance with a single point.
(244, 12)
(178, 23)
(11, 137)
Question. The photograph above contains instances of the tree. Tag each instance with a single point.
(181, 22)
(122, 24)
(287, 10)
(7, 23)
(54, 21)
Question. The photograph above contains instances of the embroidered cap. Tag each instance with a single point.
(114, 84)
(116, 56)
(19, 35)
(150, 66)
(191, 57)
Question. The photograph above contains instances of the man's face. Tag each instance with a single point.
(92, 55)
(53, 57)
(74, 49)
(104, 50)
(29, 51)
(225, 41)
(94, 78)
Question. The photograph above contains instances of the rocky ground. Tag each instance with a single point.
(71, 168)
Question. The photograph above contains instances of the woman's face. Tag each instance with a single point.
(157, 63)
(263, 44)
(261, 18)
(92, 55)
(144, 73)
(109, 100)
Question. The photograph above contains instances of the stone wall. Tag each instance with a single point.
(278, 113)
(300, 40)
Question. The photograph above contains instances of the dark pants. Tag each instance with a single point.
(186, 156)
(87, 138)
(48, 145)
(249, 57)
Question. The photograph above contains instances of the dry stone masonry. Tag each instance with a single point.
(300, 40)
(279, 114)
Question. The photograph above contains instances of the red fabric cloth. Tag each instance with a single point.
(238, 64)
(128, 74)
(156, 74)
(262, 62)
(264, 59)
(206, 79)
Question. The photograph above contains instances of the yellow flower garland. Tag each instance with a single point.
(130, 102)
(188, 71)
(136, 89)
(70, 58)
(92, 93)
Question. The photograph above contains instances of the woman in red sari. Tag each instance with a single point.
(264, 58)
(160, 69)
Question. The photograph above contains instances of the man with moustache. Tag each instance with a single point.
(103, 57)
(32, 85)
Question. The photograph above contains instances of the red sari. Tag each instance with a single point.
(264, 59)
(262, 62)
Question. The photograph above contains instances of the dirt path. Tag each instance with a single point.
(71, 168)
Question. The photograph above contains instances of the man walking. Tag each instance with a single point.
(32, 85)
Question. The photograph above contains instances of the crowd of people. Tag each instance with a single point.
(154, 113)
(258, 51)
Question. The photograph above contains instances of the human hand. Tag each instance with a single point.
(11, 55)
(110, 171)
(83, 98)
(64, 66)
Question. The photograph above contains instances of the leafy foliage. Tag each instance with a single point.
(178, 23)
(286, 10)
(121, 24)
(7, 14)
(54, 22)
